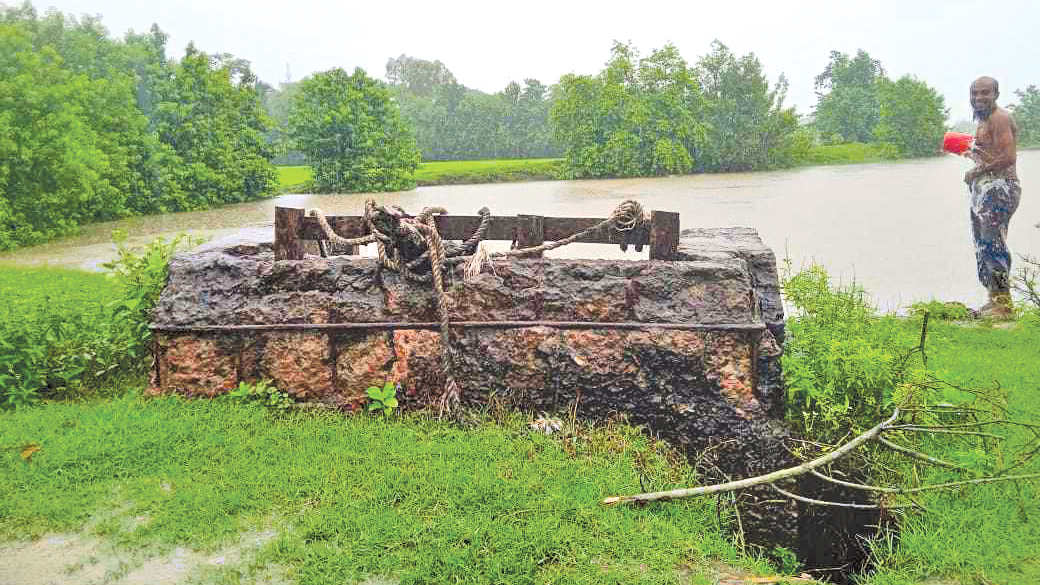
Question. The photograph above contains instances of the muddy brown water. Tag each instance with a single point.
(899, 229)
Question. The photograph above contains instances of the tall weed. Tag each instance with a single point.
(843, 362)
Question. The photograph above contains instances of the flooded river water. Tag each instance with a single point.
(899, 229)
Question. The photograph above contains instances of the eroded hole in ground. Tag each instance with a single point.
(833, 542)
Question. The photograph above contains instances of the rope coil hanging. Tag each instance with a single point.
(412, 246)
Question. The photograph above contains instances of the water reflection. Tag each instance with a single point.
(900, 229)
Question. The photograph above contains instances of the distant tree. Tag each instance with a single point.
(352, 133)
(637, 117)
(418, 75)
(848, 108)
(913, 116)
(964, 126)
(749, 126)
(277, 102)
(1027, 115)
(211, 117)
(532, 129)
(49, 159)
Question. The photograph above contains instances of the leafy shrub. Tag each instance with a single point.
(141, 277)
(63, 331)
(384, 399)
(948, 311)
(261, 394)
(842, 361)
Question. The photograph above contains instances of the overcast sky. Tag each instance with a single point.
(486, 44)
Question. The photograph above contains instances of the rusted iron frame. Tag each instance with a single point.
(706, 327)
(661, 234)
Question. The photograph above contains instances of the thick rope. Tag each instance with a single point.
(422, 231)
(337, 239)
(626, 217)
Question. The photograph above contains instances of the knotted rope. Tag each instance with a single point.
(405, 243)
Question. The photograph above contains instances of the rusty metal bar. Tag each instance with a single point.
(460, 227)
(462, 325)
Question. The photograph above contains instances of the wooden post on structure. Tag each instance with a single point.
(530, 232)
(287, 242)
(664, 235)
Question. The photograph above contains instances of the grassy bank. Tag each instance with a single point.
(986, 533)
(347, 498)
(852, 153)
(350, 498)
(296, 178)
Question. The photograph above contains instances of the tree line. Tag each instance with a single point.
(94, 128)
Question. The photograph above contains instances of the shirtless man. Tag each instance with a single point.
(995, 193)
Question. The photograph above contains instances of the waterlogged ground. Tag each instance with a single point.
(85, 557)
(900, 229)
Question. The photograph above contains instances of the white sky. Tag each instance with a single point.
(486, 44)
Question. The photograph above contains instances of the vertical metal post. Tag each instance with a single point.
(664, 235)
(287, 242)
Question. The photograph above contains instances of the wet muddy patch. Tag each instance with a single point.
(84, 558)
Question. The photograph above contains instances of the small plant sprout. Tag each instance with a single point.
(384, 399)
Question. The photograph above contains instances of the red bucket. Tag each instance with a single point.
(957, 142)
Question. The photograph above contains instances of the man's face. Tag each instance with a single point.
(983, 98)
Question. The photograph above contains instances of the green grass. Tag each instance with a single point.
(296, 178)
(851, 153)
(25, 291)
(986, 533)
(293, 176)
(487, 171)
(352, 497)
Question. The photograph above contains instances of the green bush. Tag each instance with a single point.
(948, 311)
(64, 331)
(260, 394)
(843, 362)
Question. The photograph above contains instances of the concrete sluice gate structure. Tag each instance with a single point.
(688, 347)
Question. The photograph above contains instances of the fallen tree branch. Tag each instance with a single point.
(858, 486)
(874, 433)
(938, 486)
(916, 429)
(825, 503)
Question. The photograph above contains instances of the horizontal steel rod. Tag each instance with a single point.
(464, 325)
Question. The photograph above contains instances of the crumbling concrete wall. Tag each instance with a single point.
(714, 386)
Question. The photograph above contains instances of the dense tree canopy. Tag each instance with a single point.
(211, 117)
(913, 116)
(352, 133)
(93, 128)
(637, 117)
(418, 76)
(453, 122)
(749, 126)
(656, 116)
(848, 107)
